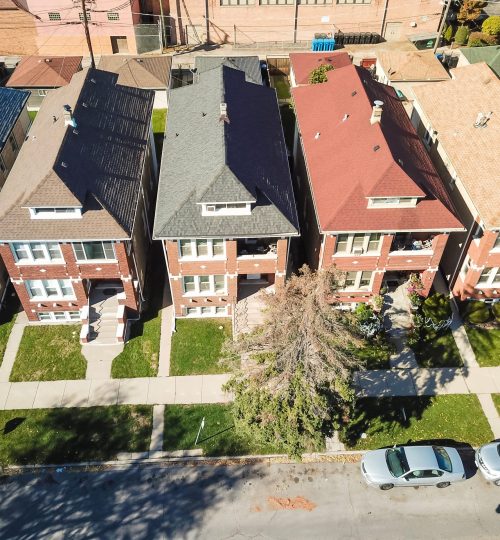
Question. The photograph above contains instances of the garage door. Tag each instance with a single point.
(392, 31)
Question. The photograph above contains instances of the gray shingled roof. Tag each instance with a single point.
(97, 165)
(249, 64)
(205, 158)
(12, 103)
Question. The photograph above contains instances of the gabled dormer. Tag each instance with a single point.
(55, 212)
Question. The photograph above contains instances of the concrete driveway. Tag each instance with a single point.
(288, 501)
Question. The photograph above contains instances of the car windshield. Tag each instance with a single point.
(396, 461)
(443, 458)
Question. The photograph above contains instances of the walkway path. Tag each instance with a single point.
(13, 343)
(167, 321)
(156, 444)
(88, 393)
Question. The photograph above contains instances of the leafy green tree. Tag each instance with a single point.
(448, 34)
(319, 74)
(470, 10)
(292, 375)
(491, 25)
(461, 35)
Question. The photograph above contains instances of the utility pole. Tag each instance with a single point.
(87, 34)
(441, 25)
(207, 22)
(295, 21)
(162, 26)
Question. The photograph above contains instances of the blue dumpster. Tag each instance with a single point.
(323, 44)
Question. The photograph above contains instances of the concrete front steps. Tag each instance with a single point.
(104, 326)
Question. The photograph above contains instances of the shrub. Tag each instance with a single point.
(461, 35)
(491, 25)
(437, 308)
(319, 75)
(448, 34)
(495, 310)
(363, 312)
(377, 302)
(478, 39)
(477, 312)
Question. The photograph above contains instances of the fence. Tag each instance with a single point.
(278, 66)
(147, 37)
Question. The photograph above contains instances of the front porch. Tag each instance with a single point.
(248, 311)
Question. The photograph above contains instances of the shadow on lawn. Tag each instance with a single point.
(174, 502)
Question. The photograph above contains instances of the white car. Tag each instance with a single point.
(488, 462)
(412, 466)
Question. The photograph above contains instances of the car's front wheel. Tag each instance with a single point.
(442, 484)
(497, 482)
(385, 487)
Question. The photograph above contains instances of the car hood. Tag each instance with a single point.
(489, 454)
(375, 465)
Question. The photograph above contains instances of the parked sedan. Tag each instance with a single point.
(412, 466)
(488, 462)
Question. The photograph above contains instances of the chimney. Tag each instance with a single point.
(68, 117)
(378, 107)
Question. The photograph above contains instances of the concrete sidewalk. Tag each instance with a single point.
(141, 391)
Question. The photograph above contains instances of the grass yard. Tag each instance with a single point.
(437, 349)
(32, 115)
(219, 436)
(159, 120)
(282, 86)
(7, 319)
(49, 353)
(496, 401)
(55, 436)
(375, 354)
(196, 346)
(452, 417)
(486, 345)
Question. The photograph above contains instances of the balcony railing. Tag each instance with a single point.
(405, 243)
(257, 248)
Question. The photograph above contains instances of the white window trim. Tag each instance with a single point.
(220, 209)
(199, 313)
(196, 257)
(376, 202)
(60, 295)
(357, 286)
(31, 260)
(94, 261)
(493, 279)
(53, 317)
(210, 292)
(75, 214)
(350, 240)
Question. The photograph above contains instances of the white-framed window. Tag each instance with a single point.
(277, 2)
(384, 202)
(204, 285)
(113, 16)
(489, 277)
(42, 92)
(358, 243)
(58, 316)
(314, 2)
(42, 289)
(205, 311)
(207, 248)
(94, 251)
(47, 212)
(237, 2)
(427, 138)
(36, 252)
(54, 16)
(354, 1)
(226, 209)
(358, 281)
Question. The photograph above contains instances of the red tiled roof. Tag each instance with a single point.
(44, 71)
(346, 167)
(304, 63)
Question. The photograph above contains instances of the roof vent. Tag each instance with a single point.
(376, 147)
(400, 161)
(85, 104)
(48, 60)
(64, 164)
(75, 131)
(223, 113)
(317, 135)
(54, 118)
(378, 107)
(482, 119)
(93, 80)
(346, 116)
(140, 60)
(68, 117)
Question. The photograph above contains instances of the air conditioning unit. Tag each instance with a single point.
(357, 251)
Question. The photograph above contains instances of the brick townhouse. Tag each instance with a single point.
(372, 202)
(225, 208)
(74, 210)
(246, 22)
(459, 122)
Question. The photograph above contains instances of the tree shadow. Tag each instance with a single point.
(12, 424)
(138, 502)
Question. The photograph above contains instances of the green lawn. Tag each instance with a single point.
(159, 120)
(282, 86)
(49, 353)
(219, 436)
(196, 346)
(70, 435)
(451, 417)
(486, 345)
(7, 319)
(496, 401)
(437, 349)
(375, 353)
(32, 114)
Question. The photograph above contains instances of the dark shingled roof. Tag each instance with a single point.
(249, 64)
(97, 166)
(206, 159)
(12, 103)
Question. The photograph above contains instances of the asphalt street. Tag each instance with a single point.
(260, 501)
